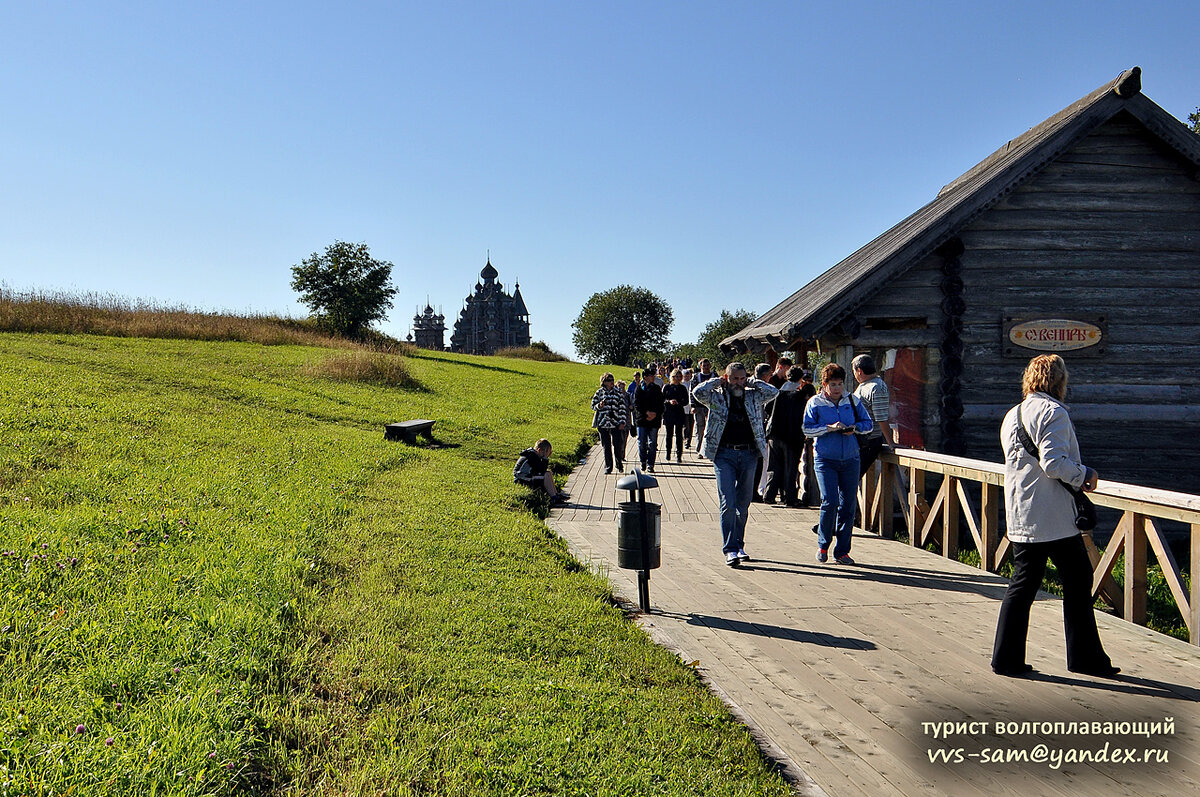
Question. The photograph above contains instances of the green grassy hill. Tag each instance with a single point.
(218, 578)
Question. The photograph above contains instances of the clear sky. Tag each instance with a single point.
(720, 154)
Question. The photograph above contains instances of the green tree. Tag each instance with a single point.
(709, 343)
(618, 323)
(346, 289)
(1194, 118)
(689, 351)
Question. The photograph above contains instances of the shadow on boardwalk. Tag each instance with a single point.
(841, 669)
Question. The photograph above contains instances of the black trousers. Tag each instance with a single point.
(1084, 651)
(810, 493)
(868, 452)
(783, 471)
(674, 432)
(613, 441)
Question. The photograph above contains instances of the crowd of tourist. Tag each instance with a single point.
(777, 435)
(771, 436)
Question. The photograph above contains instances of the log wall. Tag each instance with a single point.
(1111, 228)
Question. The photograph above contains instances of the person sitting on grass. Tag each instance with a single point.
(533, 470)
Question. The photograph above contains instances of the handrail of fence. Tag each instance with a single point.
(902, 473)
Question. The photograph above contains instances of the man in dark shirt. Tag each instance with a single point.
(785, 437)
(647, 410)
(778, 377)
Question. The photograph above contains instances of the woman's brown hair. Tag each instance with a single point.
(832, 371)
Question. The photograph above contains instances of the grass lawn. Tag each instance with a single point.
(216, 577)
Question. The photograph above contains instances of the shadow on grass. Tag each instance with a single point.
(430, 442)
(449, 362)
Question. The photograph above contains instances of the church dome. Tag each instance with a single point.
(489, 272)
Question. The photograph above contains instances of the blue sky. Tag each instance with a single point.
(719, 154)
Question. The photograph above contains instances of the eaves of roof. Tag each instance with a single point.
(824, 302)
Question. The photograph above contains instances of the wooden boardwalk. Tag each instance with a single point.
(838, 669)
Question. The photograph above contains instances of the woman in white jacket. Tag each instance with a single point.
(1041, 523)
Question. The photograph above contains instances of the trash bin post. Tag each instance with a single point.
(639, 532)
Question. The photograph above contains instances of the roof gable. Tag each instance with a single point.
(821, 304)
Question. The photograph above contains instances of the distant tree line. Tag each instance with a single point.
(628, 326)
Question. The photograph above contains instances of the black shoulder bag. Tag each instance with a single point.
(854, 405)
(1085, 510)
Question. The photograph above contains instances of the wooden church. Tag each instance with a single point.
(491, 318)
(1080, 237)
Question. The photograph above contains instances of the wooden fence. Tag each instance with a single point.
(902, 475)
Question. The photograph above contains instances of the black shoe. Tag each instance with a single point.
(816, 528)
(1099, 672)
(1014, 672)
(607, 471)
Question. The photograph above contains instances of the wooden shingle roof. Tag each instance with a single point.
(825, 302)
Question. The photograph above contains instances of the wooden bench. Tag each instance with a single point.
(408, 430)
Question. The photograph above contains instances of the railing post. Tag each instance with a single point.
(1135, 571)
(1137, 534)
(1194, 606)
(916, 495)
(886, 488)
(866, 499)
(950, 519)
(989, 520)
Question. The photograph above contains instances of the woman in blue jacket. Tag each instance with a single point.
(833, 417)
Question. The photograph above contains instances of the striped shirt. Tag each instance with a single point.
(874, 395)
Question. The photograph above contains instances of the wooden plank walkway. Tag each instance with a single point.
(838, 668)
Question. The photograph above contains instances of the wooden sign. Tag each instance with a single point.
(1083, 337)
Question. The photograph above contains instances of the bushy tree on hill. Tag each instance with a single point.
(1194, 118)
(616, 324)
(346, 289)
(709, 343)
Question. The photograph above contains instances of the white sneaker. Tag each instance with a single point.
(732, 559)
(743, 556)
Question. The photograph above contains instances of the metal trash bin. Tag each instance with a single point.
(639, 535)
(639, 532)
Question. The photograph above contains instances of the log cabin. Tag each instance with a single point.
(1081, 237)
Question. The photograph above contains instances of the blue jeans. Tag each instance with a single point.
(647, 445)
(735, 487)
(839, 498)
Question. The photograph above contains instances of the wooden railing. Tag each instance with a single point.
(902, 475)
